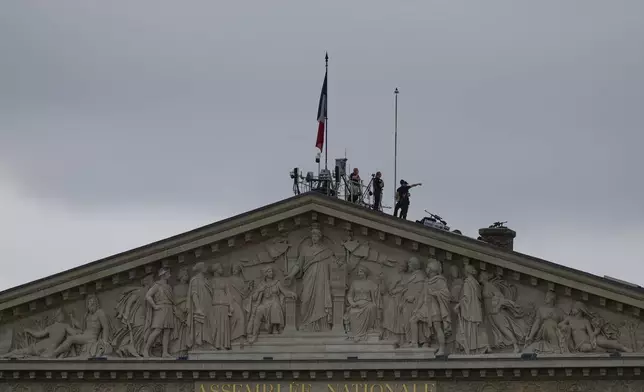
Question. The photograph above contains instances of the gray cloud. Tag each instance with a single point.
(525, 112)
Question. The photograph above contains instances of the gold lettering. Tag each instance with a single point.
(291, 385)
(388, 388)
(330, 388)
(414, 387)
(305, 388)
(374, 386)
(214, 387)
(404, 388)
(249, 389)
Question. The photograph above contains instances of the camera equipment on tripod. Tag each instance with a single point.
(498, 225)
(295, 176)
(341, 166)
(336, 183)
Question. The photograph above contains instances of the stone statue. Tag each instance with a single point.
(198, 319)
(312, 265)
(48, 339)
(93, 339)
(393, 285)
(221, 309)
(160, 314)
(580, 335)
(503, 314)
(131, 308)
(545, 336)
(364, 302)
(240, 291)
(432, 314)
(180, 295)
(456, 292)
(414, 286)
(268, 305)
(472, 336)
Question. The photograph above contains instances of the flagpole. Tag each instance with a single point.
(326, 118)
(395, 142)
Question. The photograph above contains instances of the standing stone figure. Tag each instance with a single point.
(160, 314)
(221, 309)
(504, 314)
(198, 326)
(313, 267)
(414, 286)
(267, 305)
(240, 290)
(180, 293)
(471, 332)
(94, 337)
(432, 312)
(456, 291)
(392, 289)
(364, 301)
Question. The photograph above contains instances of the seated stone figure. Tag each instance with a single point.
(364, 302)
(93, 339)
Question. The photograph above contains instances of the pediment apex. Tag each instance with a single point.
(271, 220)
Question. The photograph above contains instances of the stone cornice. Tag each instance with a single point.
(482, 251)
(155, 251)
(493, 367)
(330, 211)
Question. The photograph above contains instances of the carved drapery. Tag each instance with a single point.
(307, 281)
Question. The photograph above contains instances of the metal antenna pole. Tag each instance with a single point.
(395, 142)
(326, 119)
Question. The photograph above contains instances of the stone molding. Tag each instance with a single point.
(464, 368)
(328, 211)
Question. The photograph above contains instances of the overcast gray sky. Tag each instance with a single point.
(123, 122)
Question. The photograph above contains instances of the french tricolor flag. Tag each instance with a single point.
(322, 114)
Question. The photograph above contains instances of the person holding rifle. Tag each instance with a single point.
(402, 198)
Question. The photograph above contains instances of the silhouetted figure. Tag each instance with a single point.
(402, 198)
(378, 185)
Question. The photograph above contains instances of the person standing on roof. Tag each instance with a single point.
(355, 184)
(402, 198)
(378, 186)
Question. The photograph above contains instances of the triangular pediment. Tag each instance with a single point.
(276, 236)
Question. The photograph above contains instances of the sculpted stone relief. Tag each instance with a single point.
(322, 281)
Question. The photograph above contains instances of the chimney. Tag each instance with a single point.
(498, 235)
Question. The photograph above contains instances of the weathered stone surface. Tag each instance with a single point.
(355, 385)
(315, 290)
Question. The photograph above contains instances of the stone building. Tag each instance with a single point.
(313, 294)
